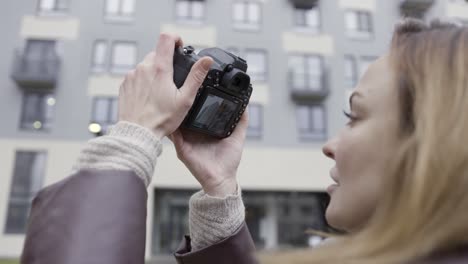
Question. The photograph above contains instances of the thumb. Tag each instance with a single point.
(195, 78)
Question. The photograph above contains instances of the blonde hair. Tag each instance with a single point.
(424, 208)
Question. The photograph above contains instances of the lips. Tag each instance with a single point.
(333, 175)
(332, 187)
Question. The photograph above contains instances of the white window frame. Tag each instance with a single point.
(363, 30)
(262, 74)
(306, 75)
(18, 195)
(98, 66)
(111, 117)
(190, 17)
(57, 7)
(41, 116)
(303, 14)
(120, 14)
(120, 69)
(255, 76)
(312, 133)
(248, 21)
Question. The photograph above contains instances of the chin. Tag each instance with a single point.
(334, 216)
(331, 215)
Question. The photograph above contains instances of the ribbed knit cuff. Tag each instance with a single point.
(128, 146)
(212, 219)
(139, 135)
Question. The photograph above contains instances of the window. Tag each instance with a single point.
(257, 66)
(105, 113)
(27, 180)
(255, 120)
(120, 9)
(172, 223)
(53, 6)
(297, 213)
(123, 57)
(307, 19)
(39, 53)
(358, 24)
(190, 10)
(40, 58)
(256, 61)
(311, 122)
(38, 110)
(99, 60)
(350, 72)
(246, 14)
(306, 72)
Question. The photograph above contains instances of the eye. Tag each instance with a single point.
(350, 116)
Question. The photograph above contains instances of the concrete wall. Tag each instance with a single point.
(279, 160)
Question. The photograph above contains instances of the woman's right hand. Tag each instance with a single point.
(213, 162)
(149, 97)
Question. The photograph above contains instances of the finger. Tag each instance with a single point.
(195, 78)
(147, 66)
(149, 59)
(165, 51)
(241, 129)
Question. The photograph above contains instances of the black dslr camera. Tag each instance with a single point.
(224, 94)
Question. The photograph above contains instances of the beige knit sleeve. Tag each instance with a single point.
(132, 147)
(128, 146)
(212, 219)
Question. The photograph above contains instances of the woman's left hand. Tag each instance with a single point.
(213, 162)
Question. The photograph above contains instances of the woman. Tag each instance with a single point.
(402, 161)
(401, 168)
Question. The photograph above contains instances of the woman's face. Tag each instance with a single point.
(362, 149)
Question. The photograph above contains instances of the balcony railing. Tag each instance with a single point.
(32, 73)
(415, 8)
(308, 87)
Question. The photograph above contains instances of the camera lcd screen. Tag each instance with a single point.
(215, 114)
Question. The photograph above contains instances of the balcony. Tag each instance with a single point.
(415, 8)
(35, 73)
(304, 4)
(307, 87)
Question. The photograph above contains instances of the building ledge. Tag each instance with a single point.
(48, 27)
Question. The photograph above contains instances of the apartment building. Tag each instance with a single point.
(63, 62)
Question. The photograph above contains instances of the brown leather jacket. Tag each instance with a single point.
(99, 217)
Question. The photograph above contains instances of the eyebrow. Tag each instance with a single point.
(355, 93)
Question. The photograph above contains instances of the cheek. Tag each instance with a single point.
(355, 199)
(353, 156)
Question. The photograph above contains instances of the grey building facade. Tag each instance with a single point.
(63, 61)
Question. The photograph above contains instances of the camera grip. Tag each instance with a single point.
(182, 64)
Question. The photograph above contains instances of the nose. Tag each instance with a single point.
(329, 149)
